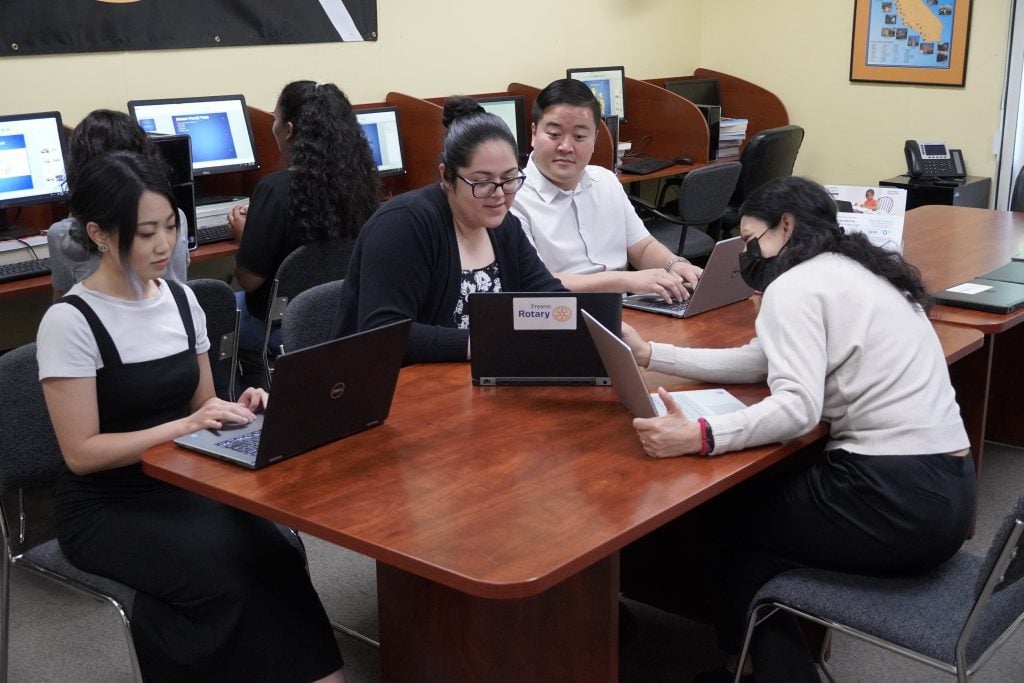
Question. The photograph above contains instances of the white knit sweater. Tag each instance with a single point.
(838, 343)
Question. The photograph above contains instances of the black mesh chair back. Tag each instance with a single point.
(768, 155)
(312, 316)
(217, 300)
(1017, 198)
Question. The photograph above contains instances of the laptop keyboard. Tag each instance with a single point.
(662, 305)
(246, 443)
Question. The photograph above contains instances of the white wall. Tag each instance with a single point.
(855, 131)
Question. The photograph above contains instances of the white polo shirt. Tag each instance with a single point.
(585, 230)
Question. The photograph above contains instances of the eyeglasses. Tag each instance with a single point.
(482, 189)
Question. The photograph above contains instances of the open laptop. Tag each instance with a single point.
(720, 285)
(632, 389)
(538, 337)
(321, 394)
(979, 294)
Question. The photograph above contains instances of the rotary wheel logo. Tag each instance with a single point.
(562, 314)
(337, 390)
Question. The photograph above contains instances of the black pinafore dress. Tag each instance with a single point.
(222, 596)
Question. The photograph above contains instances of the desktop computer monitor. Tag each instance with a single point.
(380, 126)
(512, 110)
(697, 90)
(608, 83)
(31, 163)
(222, 140)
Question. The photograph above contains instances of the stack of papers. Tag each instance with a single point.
(731, 134)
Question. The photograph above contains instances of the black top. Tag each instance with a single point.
(267, 238)
(406, 265)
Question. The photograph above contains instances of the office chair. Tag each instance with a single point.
(768, 155)
(1017, 197)
(31, 458)
(309, 265)
(952, 618)
(703, 196)
(312, 316)
(218, 303)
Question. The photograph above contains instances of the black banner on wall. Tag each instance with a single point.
(34, 27)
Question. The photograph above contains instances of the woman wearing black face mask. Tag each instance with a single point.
(842, 336)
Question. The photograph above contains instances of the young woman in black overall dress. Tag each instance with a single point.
(222, 595)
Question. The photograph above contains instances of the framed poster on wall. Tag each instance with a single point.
(910, 41)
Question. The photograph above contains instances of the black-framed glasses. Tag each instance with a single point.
(482, 189)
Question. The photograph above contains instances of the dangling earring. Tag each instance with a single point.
(103, 249)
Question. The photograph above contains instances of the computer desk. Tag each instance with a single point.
(496, 514)
(951, 245)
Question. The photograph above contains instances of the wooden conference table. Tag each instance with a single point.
(496, 515)
(950, 245)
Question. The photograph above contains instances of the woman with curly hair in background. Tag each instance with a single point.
(326, 192)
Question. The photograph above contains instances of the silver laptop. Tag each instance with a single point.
(632, 389)
(720, 285)
(321, 394)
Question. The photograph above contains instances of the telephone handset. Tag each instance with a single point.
(933, 160)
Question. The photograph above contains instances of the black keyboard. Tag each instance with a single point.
(24, 269)
(246, 443)
(643, 165)
(213, 233)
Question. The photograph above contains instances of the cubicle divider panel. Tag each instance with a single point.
(662, 124)
(422, 136)
(742, 99)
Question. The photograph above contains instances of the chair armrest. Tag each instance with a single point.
(645, 207)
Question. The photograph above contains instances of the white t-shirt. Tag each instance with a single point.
(585, 230)
(141, 330)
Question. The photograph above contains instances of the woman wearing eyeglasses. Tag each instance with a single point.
(423, 253)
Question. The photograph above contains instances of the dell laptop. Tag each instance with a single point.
(719, 285)
(321, 394)
(538, 337)
(1011, 272)
(632, 389)
(991, 296)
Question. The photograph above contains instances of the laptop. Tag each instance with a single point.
(537, 337)
(632, 389)
(991, 296)
(1011, 272)
(720, 285)
(321, 394)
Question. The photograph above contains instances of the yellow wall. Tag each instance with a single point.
(799, 50)
(855, 131)
(427, 49)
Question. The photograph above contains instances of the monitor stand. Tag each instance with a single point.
(9, 231)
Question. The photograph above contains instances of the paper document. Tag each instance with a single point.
(701, 402)
(876, 211)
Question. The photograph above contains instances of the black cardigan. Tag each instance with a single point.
(406, 265)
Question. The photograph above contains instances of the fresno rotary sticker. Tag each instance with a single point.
(562, 314)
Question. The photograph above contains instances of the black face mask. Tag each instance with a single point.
(756, 270)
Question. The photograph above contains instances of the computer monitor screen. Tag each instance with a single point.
(380, 126)
(697, 90)
(222, 140)
(608, 83)
(31, 159)
(512, 111)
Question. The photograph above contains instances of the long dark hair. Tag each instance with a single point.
(334, 185)
(817, 231)
(468, 125)
(107, 191)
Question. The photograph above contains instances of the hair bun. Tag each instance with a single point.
(457, 107)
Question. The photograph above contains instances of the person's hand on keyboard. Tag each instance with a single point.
(668, 286)
(236, 220)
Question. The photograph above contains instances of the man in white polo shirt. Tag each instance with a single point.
(578, 216)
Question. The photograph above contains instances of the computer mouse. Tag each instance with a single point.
(685, 161)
